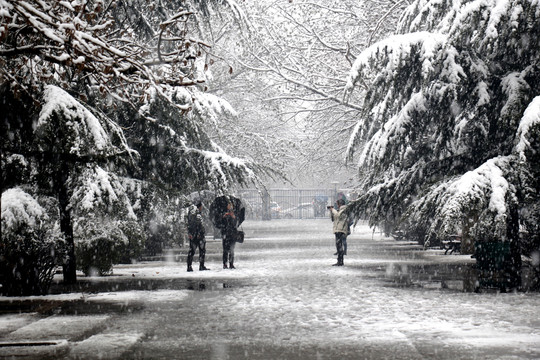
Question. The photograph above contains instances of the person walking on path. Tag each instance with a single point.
(196, 234)
(340, 219)
(228, 233)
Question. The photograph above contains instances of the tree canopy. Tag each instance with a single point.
(103, 101)
(117, 53)
(289, 72)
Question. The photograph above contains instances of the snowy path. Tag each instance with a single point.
(290, 303)
(285, 301)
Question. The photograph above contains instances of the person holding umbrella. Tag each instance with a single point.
(227, 213)
(228, 234)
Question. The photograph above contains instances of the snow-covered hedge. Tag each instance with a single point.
(101, 243)
(28, 245)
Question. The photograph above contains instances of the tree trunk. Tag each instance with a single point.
(467, 241)
(66, 225)
(514, 271)
(265, 210)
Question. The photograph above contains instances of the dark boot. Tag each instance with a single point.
(231, 266)
(225, 266)
(202, 267)
(189, 268)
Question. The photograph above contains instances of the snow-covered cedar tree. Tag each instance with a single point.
(447, 141)
(175, 150)
(105, 242)
(28, 244)
(75, 149)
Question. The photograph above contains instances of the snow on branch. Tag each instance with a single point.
(64, 41)
(102, 190)
(223, 168)
(59, 101)
(84, 133)
(492, 13)
(484, 192)
(395, 51)
(20, 209)
(212, 107)
(480, 23)
(530, 119)
(394, 131)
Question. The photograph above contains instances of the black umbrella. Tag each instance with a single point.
(219, 207)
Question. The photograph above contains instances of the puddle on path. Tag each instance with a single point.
(128, 284)
(63, 306)
(457, 277)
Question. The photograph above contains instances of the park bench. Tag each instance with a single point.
(452, 244)
(398, 235)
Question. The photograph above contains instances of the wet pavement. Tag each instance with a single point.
(284, 301)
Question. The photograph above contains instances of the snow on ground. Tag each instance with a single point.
(54, 327)
(285, 294)
(104, 346)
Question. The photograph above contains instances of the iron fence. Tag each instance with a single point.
(289, 203)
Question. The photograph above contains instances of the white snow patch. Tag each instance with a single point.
(53, 327)
(126, 297)
(12, 322)
(117, 296)
(104, 346)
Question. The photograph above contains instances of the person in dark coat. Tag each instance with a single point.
(196, 234)
(228, 233)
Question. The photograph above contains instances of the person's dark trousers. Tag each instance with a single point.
(340, 239)
(228, 249)
(194, 243)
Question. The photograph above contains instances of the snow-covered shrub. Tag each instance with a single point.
(164, 225)
(159, 214)
(162, 235)
(133, 249)
(106, 231)
(15, 170)
(102, 243)
(28, 245)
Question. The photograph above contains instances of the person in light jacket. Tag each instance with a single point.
(341, 228)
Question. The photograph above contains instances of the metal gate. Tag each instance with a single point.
(289, 203)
